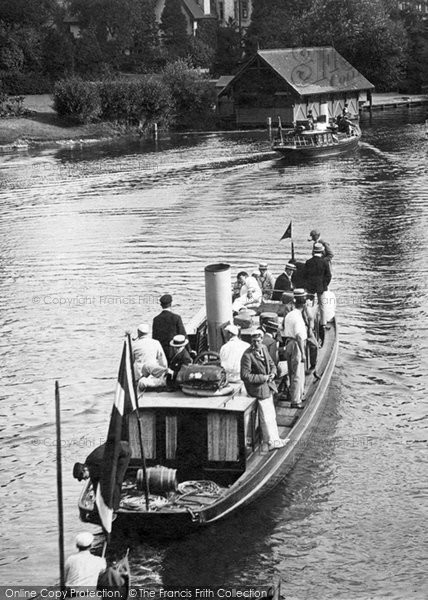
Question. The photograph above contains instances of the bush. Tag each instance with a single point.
(12, 106)
(16, 83)
(77, 99)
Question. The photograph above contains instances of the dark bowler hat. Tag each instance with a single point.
(165, 300)
(78, 471)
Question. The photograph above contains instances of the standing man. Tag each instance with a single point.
(317, 276)
(295, 339)
(266, 281)
(314, 237)
(284, 283)
(231, 353)
(167, 324)
(83, 568)
(258, 372)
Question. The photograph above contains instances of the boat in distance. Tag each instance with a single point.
(314, 143)
(210, 439)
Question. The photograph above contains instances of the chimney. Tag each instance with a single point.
(207, 7)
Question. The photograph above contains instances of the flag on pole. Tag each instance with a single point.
(288, 232)
(124, 403)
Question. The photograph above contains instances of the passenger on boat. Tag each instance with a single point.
(270, 338)
(167, 324)
(284, 283)
(178, 358)
(315, 237)
(258, 372)
(317, 276)
(150, 364)
(237, 285)
(295, 340)
(312, 345)
(91, 468)
(250, 294)
(266, 281)
(231, 353)
(311, 120)
(83, 568)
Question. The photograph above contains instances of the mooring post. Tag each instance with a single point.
(269, 125)
(155, 131)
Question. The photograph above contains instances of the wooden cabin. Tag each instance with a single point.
(289, 82)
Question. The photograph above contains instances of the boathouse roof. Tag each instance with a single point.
(310, 71)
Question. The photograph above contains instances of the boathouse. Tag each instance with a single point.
(289, 82)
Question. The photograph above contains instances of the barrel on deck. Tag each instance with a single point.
(160, 479)
(218, 300)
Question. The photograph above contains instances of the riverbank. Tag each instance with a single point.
(43, 127)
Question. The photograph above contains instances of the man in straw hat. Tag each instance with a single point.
(83, 568)
(284, 283)
(295, 340)
(179, 356)
(315, 237)
(266, 280)
(317, 276)
(258, 372)
(231, 353)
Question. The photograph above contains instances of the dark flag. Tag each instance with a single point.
(124, 403)
(287, 232)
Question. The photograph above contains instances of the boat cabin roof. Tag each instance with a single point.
(238, 401)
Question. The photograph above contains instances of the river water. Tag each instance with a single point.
(92, 236)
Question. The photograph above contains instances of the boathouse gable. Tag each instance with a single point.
(287, 83)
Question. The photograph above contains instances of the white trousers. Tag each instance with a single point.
(267, 416)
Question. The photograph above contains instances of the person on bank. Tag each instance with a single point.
(266, 281)
(83, 568)
(179, 356)
(284, 283)
(315, 237)
(148, 353)
(231, 353)
(295, 340)
(167, 324)
(258, 373)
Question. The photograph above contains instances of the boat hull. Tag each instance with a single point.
(342, 146)
(269, 470)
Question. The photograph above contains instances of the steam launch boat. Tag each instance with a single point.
(197, 453)
(322, 141)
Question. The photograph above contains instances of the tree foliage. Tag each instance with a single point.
(174, 29)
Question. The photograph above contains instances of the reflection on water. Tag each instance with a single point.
(91, 237)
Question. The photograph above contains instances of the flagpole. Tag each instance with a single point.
(140, 429)
(59, 489)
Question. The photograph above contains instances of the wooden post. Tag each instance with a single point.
(59, 488)
(269, 126)
(155, 131)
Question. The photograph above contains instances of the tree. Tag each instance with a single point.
(145, 49)
(174, 29)
(274, 24)
(229, 50)
(416, 75)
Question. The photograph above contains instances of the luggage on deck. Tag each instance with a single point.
(202, 377)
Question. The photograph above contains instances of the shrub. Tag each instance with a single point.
(77, 99)
(18, 82)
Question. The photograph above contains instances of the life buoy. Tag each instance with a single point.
(191, 391)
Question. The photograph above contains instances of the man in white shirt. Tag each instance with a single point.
(295, 339)
(250, 294)
(83, 568)
(150, 364)
(231, 353)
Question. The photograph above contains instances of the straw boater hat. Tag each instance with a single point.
(263, 265)
(84, 539)
(257, 333)
(233, 329)
(299, 293)
(178, 341)
(291, 267)
(143, 329)
(318, 248)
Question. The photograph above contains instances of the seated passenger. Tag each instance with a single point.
(231, 353)
(250, 294)
(284, 283)
(179, 357)
(150, 365)
(266, 280)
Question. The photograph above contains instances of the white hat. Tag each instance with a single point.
(233, 329)
(143, 329)
(178, 341)
(263, 265)
(84, 539)
(257, 333)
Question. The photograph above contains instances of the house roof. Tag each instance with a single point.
(195, 10)
(309, 71)
(223, 81)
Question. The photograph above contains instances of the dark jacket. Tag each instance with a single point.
(253, 373)
(317, 275)
(178, 360)
(272, 347)
(282, 284)
(95, 462)
(328, 254)
(165, 326)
